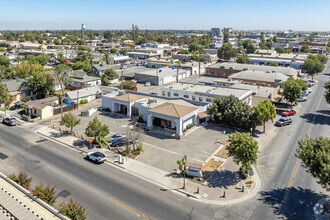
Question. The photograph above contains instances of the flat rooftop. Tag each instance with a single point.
(161, 72)
(214, 90)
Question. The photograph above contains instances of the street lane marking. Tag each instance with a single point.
(269, 155)
(267, 164)
(129, 208)
(298, 161)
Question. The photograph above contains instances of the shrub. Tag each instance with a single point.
(26, 118)
(83, 101)
(21, 112)
(139, 149)
(22, 179)
(106, 110)
(46, 194)
(140, 117)
(73, 209)
(188, 127)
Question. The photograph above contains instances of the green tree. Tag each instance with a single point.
(5, 97)
(262, 43)
(230, 111)
(292, 91)
(250, 48)
(305, 49)
(62, 73)
(41, 84)
(128, 84)
(4, 61)
(272, 64)
(43, 59)
(47, 194)
(226, 38)
(123, 51)
(279, 50)
(73, 209)
(193, 47)
(113, 50)
(322, 58)
(226, 52)
(57, 42)
(315, 154)
(288, 49)
(327, 92)
(265, 111)
(182, 165)
(243, 148)
(99, 131)
(313, 67)
(302, 84)
(70, 121)
(183, 52)
(243, 59)
(61, 58)
(31, 59)
(109, 74)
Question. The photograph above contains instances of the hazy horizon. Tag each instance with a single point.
(280, 15)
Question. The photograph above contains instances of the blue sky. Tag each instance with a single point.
(301, 15)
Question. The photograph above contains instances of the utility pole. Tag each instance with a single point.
(177, 74)
(199, 68)
(77, 99)
(122, 83)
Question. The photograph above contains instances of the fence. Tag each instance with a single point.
(65, 109)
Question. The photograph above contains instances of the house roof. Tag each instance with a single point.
(128, 97)
(84, 92)
(14, 85)
(171, 109)
(41, 103)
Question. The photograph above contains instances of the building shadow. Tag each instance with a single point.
(317, 118)
(298, 205)
(224, 179)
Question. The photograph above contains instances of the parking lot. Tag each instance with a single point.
(160, 150)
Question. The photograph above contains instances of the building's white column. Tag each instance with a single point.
(129, 107)
(149, 120)
(178, 127)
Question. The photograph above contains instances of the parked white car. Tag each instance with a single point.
(96, 157)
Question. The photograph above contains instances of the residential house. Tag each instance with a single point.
(80, 79)
(57, 85)
(18, 89)
(89, 93)
(42, 108)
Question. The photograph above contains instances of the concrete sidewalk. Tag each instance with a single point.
(226, 179)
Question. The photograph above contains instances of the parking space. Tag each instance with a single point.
(162, 151)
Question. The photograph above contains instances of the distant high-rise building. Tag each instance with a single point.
(215, 32)
(83, 28)
(228, 30)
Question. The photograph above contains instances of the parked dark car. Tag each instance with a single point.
(10, 121)
(283, 121)
(121, 141)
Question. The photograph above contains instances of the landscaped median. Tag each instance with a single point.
(222, 188)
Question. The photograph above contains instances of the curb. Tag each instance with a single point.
(190, 195)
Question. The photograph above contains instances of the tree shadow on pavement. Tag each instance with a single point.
(317, 118)
(298, 205)
(224, 179)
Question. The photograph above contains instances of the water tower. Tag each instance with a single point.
(83, 28)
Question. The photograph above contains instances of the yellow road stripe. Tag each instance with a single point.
(298, 161)
(129, 208)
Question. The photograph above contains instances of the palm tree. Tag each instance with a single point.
(62, 74)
